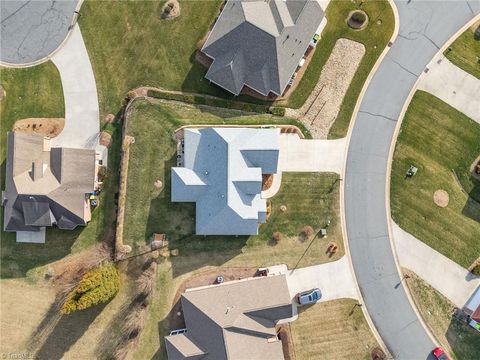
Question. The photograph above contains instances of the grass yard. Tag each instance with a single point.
(456, 337)
(37, 92)
(310, 198)
(465, 52)
(375, 37)
(438, 139)
(136, 47)
(332, 330)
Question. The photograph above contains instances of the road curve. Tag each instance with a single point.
(32, 30)
(424, 27)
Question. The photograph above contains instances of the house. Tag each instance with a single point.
(233, 320)
(472, 309)
(260, 44)
(222, 173)
(45, 186)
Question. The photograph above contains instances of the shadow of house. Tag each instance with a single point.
(463, 339)
(472, 206)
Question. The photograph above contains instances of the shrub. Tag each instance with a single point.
(277, 110)
(307, 231)
(97, 286)
(277, 236)
(359, 17)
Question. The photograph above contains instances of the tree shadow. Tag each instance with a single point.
(66, 332)
(472, 206)
(463, 339)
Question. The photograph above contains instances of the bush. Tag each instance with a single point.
(277, 236)
(97, 286)
(359, 17)
(277, 110)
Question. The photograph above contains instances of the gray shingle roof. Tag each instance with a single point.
(260, 43)
(45, 186)
(222, 173)
(233, 320)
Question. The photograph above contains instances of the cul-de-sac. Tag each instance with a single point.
(240, 179)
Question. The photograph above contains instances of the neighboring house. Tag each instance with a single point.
(259, 44)
(472, 309)
(222, 172)
(45, 186)
(233, 320)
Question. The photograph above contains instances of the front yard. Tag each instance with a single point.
(311, 199)
(456, 337)
(465, 51)
(443, 143)
(332, 330)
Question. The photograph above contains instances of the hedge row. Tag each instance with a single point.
(97, 286)
(217, 102)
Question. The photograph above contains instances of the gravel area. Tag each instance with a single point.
(322, 106)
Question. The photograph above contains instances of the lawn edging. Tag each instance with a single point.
(389, 172)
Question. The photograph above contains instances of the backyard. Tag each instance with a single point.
(335, 329)
(465, 51)
(135, 45)
(310, 198)
(442, 143)
(456, 337)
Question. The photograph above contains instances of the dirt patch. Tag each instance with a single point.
(170, 10)
(158, 184)
(322, 106)
(287, 342)
(110, 118)
(441, 198)
(105, 138)
(267, 180)
(207, 277)
(49, 127)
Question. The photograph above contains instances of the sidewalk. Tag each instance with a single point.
(446, 276)
(453, 85)
(334, 279)
(82, 116)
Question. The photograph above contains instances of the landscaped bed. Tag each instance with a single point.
(442, 143)
(310, 199)
(455, 336)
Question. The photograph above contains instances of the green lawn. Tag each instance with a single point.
(439, 140)
(310, 199)
(465, 52)
(456, 337)
(37, 92)
(335, 329)
(135, 47)
(375, 37)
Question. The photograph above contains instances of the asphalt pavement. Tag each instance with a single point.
(32, 30)
(424, 27)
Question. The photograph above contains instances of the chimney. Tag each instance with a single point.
(37, 170)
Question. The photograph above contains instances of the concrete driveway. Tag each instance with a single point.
(424, 27)
(334, 279)
(454, 86)
(82, 124)
(32, 30)
(453, 281)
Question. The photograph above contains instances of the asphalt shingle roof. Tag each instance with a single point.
(260, 43)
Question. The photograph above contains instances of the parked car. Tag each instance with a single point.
(439, 354)
(309, 297)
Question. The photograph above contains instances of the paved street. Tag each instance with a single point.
(424, 27)
(453, 281)
(31, 30)
(454, 86)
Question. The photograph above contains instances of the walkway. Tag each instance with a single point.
(453, 281)
(82, 125)
(32, 30)
(424, 27)
(334, 279)
(454, 86)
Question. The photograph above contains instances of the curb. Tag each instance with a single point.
(389, 170)
(49, 56)
(342, 187)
